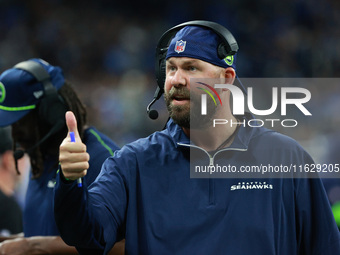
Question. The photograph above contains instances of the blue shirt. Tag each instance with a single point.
(38, 218)
(145, 192)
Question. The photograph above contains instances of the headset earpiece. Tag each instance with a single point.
(52, 108)
(221, 51)
(161, 73)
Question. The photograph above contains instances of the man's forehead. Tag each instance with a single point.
(183, 60)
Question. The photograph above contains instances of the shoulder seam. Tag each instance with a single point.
(101, 141)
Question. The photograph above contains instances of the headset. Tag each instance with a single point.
(52, 107)
(227, 47)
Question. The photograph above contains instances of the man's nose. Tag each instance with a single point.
(179, 79)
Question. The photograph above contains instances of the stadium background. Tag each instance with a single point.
(107, 49)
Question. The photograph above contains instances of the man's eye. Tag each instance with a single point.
(192, 68)
(172, 68)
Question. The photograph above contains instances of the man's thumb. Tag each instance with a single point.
(71, 123)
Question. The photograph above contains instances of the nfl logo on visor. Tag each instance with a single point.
(180, 46)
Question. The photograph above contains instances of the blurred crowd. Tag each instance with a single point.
(107, 51)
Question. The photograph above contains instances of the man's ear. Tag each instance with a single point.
(229, 75)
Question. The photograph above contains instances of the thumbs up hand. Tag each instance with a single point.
(72, 155)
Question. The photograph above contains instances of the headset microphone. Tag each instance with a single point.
(18, 154)
(153, 114)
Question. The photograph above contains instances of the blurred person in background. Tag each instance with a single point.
(10, 210)
(34, 97)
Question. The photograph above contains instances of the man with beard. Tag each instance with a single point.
(145, 190)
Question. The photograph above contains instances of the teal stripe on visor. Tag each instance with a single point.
(20, 108)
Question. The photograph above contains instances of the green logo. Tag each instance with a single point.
(336, 212)
(229, 60)
(2, 92)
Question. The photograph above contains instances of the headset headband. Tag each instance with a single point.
(227, 38)
(39, 73)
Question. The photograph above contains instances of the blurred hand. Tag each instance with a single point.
(36, 245)
(72, 155)
(16, 246)
(44, 245)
